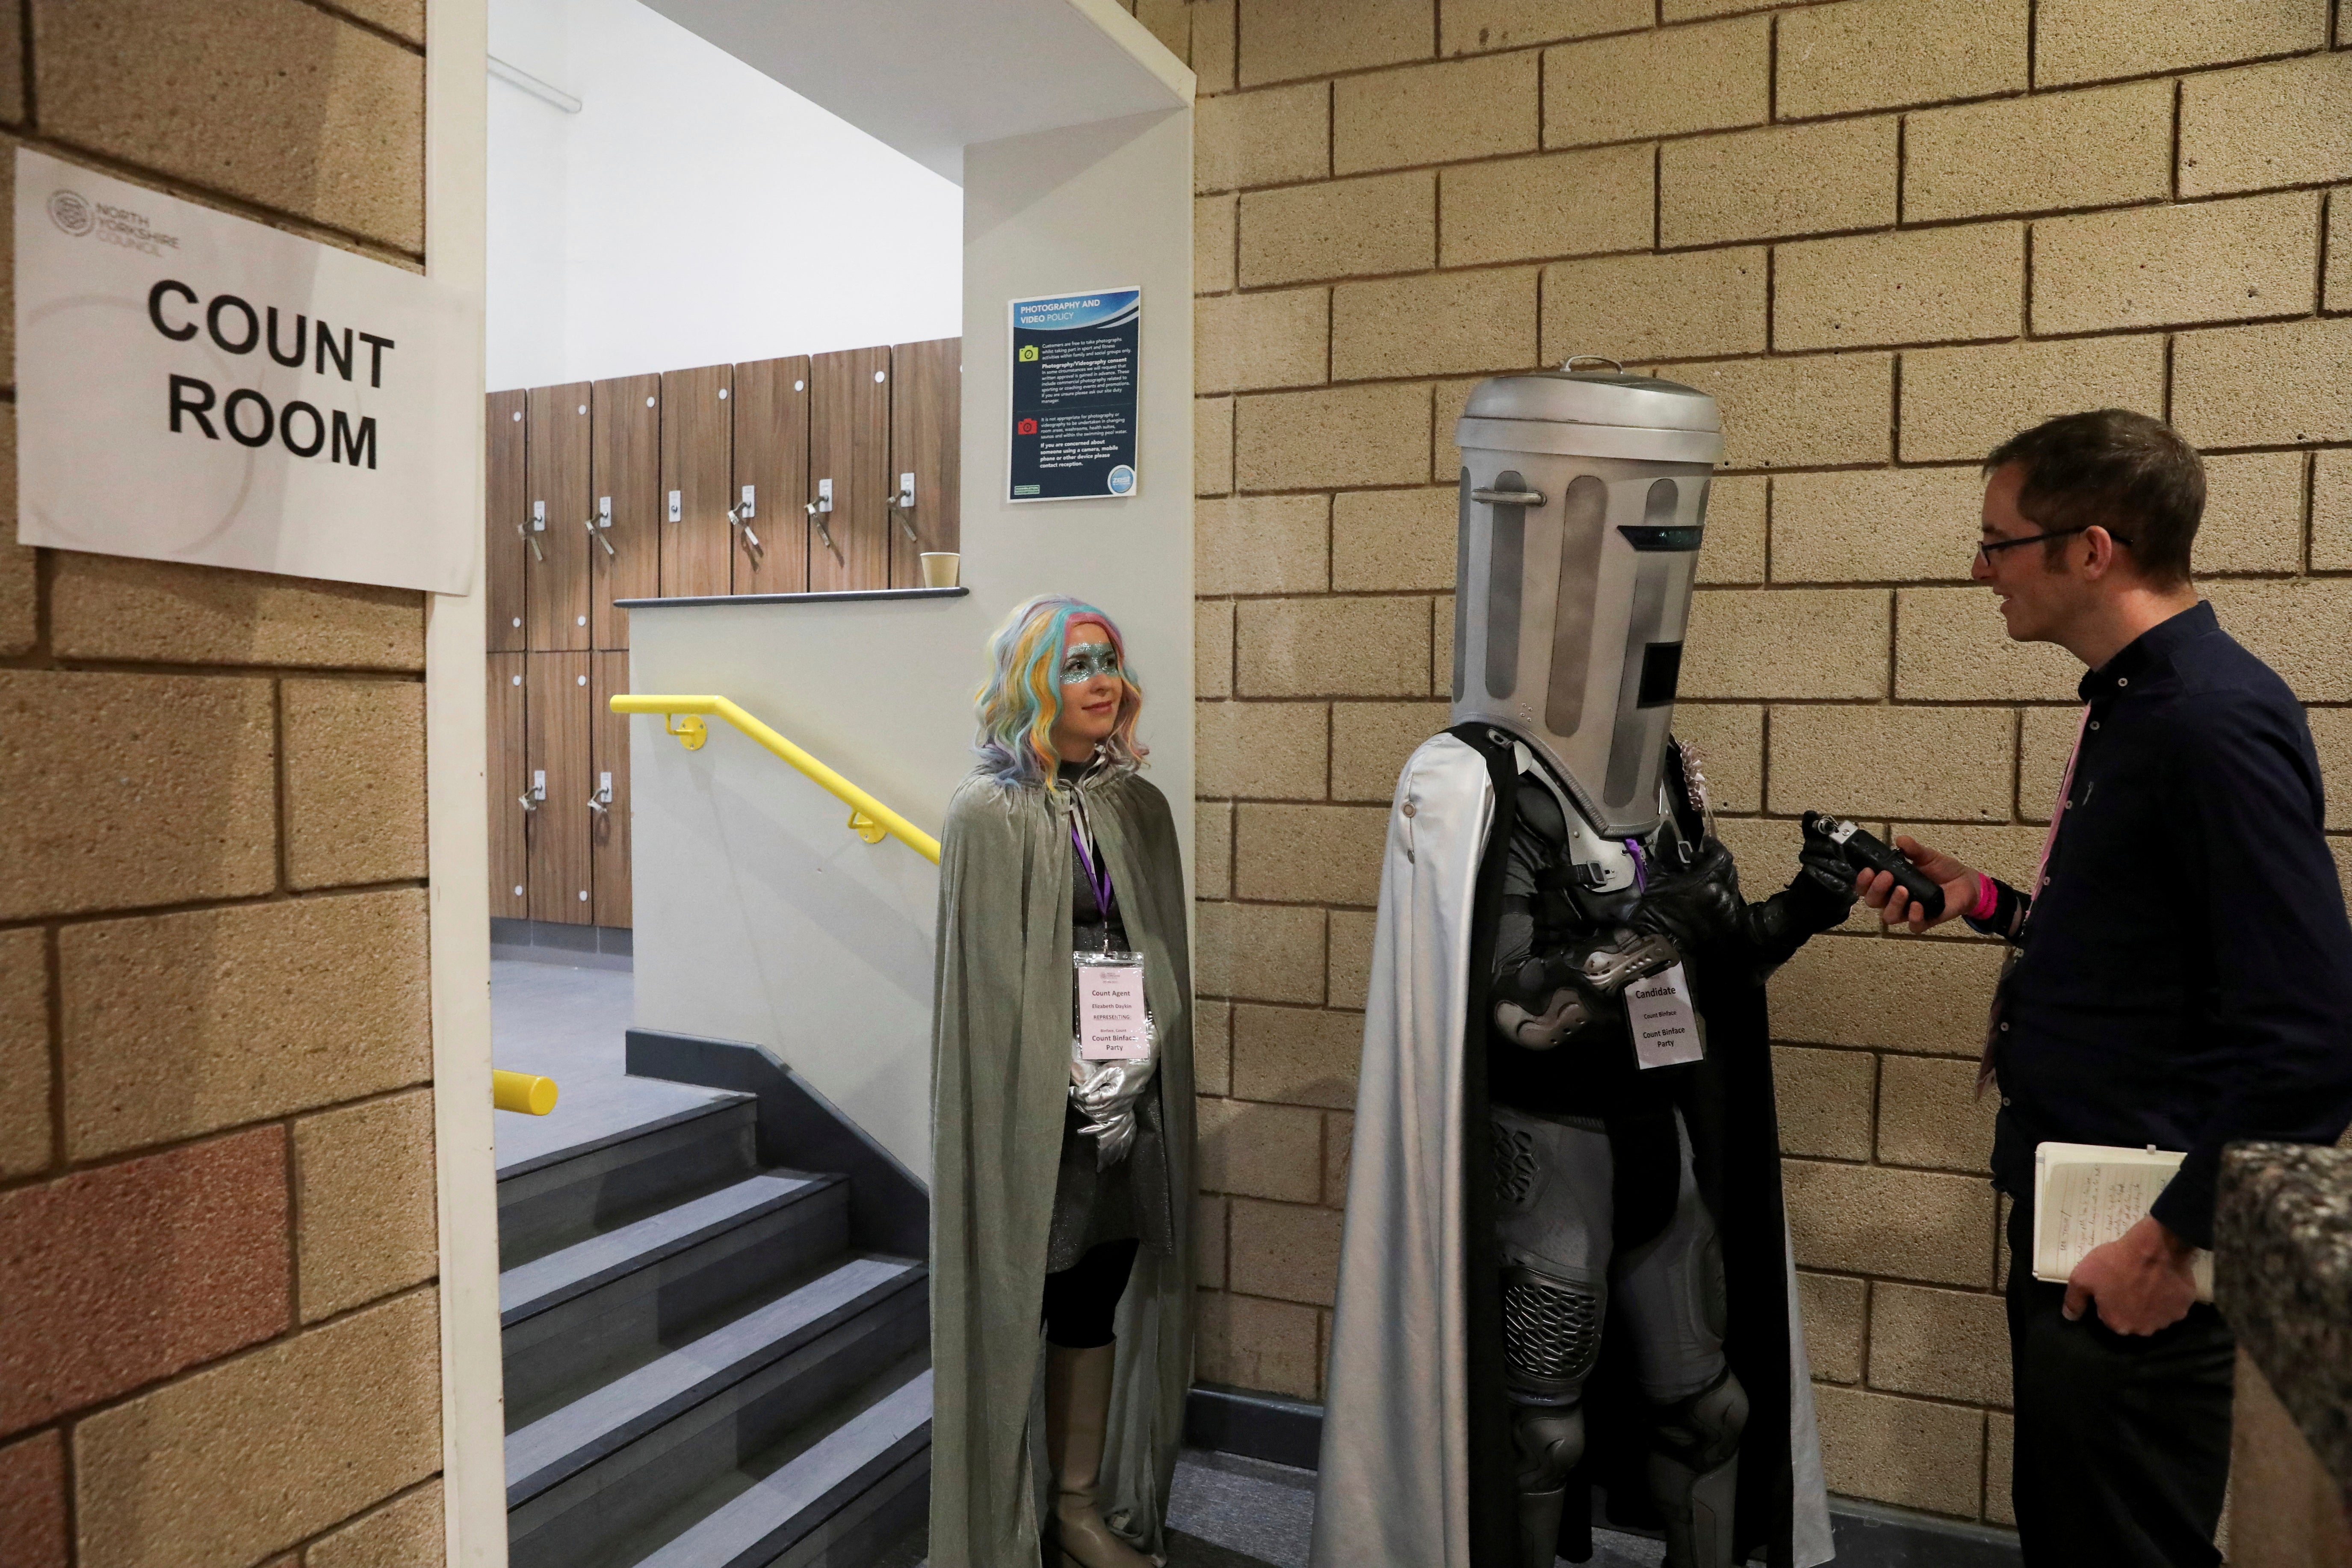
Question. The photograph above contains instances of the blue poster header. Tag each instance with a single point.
(1070, 312)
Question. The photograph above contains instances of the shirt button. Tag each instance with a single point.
(1408, 808)
(2095, 723)
(2004, 1028)
(2123, 680)
(2045, 881)
(2006, 1101)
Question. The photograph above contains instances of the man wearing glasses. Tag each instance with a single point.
(2179, 976)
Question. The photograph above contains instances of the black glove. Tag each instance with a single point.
(1696, 906)
(1822, 889)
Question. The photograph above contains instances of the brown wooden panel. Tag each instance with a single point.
(926, 435)
(697, 455)
(772, 406)
(626, 487)
(561, 696)
(850, 443)
(506, 512)
(508, 777)
(609, 753)
(558, 612)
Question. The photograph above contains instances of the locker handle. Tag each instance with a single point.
(537, 791)
(902, 503)
(590, 524)
(536, 553)
(602, 800)
(735, 521)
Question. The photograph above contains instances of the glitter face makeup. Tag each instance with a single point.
(1087, 660)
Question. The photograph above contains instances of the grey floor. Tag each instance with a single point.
(568, 1024)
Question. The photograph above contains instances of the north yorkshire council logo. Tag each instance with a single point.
(70, 213)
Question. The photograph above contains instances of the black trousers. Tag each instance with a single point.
(1081, 1300)
(2123, 1441)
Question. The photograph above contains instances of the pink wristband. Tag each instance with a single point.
(1988, 899)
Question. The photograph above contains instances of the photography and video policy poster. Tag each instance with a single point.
(1073, 389)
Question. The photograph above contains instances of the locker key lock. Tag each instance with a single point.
(903, 503)
(676, 505)
(536, 553)
(590, 524)
(537, 791)
(739, 516)
(602, 800)
(818, 508)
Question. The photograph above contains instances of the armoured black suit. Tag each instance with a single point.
(1566, 1083)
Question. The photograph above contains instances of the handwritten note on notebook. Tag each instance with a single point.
(2087, 1194)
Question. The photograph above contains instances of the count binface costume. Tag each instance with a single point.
(1565, 1264)
(1062, 1133)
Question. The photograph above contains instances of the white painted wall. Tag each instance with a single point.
(759, 917)
(695, 211)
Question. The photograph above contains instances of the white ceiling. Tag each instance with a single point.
(932, 77)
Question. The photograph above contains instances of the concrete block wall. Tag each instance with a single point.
(218, 1338)
(1886, 234)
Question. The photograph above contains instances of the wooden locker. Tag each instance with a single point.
(506, 513)
(609, 756)
(849, 444)
(560, 692)
(510, 779)
(771, 407)
(698, 456)
(925, 432)
(625, 471)
(557, 614)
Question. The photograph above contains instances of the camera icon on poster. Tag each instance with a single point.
(1028, 352)
(1025, 427)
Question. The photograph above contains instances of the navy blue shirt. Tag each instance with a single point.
(2184, 976)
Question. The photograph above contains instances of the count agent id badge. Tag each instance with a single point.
(1665, 1025)
(1112, 1023)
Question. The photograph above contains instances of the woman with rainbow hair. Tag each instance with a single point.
(1062, 1136)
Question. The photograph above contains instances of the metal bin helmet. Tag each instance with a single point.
(1583, 498)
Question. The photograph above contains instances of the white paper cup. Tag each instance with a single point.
(941, 568)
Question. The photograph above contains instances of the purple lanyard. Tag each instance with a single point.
(1641, 866)
(1098, 880)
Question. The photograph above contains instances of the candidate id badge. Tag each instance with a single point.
(1112, 1026)
(1664, 1024)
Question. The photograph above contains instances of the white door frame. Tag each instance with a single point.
(456, 828)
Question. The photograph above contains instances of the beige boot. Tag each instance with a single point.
(1077, 1407)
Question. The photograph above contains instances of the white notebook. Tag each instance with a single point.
(2087, 1194)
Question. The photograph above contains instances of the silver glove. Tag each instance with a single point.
(1106, 1095)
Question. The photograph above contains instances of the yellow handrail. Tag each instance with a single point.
(527, 1093)
(869, 817)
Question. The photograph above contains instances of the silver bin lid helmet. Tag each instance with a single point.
(1583, 500)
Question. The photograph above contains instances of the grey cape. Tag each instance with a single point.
(1000, 1082)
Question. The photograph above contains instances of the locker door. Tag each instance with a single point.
(771, 457)
(509, 778)
(926, 428)
(624, 472)
(698, 454)
(558, 422)
(609, 755)
(849, 444)
(506, 512)
(559, 693)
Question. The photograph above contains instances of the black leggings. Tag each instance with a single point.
(1081, 1298)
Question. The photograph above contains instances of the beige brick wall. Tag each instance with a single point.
(1886, 234)
(216, 1179)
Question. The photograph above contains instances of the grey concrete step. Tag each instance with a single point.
(702, 1440)
(567, 1441)
(798, 1513)
(560, 1196)
(601, 1307)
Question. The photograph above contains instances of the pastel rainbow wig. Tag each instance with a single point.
(1022, 698)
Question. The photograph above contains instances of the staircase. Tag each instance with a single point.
(703, 1368)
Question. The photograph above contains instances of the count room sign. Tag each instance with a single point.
(194, 386)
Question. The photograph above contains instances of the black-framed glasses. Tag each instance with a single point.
(1986, 549)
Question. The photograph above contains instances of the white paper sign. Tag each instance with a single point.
(195, 386)
(1111, 1027)
(1665, 1028)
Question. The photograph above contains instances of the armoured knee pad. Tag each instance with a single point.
(1551, 1335)
(1703, 1430)
(1550, 1440)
